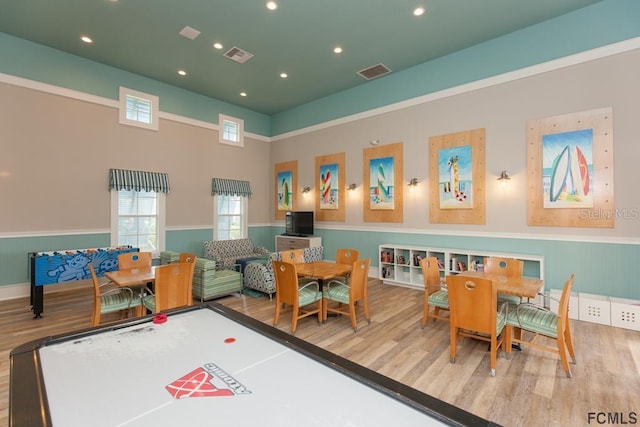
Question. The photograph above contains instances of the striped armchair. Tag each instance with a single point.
(260, 276)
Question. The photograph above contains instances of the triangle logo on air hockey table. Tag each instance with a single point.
(207, 381)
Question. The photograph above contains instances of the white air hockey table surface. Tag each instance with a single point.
(206, 365)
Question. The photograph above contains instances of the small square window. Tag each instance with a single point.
(138, 109)
(231, 130)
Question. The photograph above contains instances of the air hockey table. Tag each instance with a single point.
(206, 365)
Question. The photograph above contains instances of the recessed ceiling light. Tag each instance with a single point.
(337, 49)
(182, 72)
(86, 39)
(218, 45)
(418, 11)
(284, 75)
(243, 93)
(271, 5)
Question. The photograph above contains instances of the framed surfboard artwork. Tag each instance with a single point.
(567, 169)
(285, 185)
(382, 183)
(330, 175)
(570, 170)
(329, 189)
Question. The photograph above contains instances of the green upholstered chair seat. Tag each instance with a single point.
(309, 294)
(337, 291)
(511, 299)
(535, 320)
(439, 299)
(149, 302)
(501, 322)
(116, 301)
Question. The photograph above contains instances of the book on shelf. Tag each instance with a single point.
(440, 264)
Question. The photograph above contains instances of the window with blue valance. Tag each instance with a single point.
(230, 187)
(121, 179)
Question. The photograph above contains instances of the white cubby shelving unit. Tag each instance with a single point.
(399, 265)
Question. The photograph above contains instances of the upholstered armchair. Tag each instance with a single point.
(226, 252)
(260, 276)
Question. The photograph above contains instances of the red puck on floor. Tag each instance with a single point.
(229, 340)
(160, 318)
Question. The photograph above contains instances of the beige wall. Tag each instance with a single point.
(56, 152)
(503, 110)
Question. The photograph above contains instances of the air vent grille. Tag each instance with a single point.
(374, 71)
(238, 55)
(190, 33)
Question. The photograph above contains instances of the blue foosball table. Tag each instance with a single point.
(48, 268)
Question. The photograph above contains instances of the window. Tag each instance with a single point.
(230, 217)
(138, 208)
(138, 219)
(138, 109)
(231, 130)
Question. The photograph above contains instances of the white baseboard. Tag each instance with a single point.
(23, 290)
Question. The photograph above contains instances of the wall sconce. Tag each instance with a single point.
(413, 182)
(305, 190)
(351, 187)
(504, 178)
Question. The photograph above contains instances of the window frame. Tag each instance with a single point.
(244, 217)
(222, 118)
(124, 93)
(160, 220)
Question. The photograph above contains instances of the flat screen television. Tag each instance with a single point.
(299, 223)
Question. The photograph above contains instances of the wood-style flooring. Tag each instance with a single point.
(529, 389)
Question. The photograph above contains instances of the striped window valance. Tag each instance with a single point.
(121, 179)
(230, 187)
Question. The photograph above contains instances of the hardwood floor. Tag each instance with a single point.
(530, 389)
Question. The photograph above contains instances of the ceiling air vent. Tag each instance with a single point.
(190, 33)
(238, 55)
(374, 71)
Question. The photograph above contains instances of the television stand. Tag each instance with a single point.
(285, 243)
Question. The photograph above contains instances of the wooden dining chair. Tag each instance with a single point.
(293, 256)
(172, 288)
(434, 293)
(109, 298)
(189, 258)
(472, 303)
(130, 260)
(289, 293)
(347, 295)
(347, 256)
(508, 267)
(542, 322)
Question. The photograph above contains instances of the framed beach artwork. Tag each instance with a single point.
(457, 178)
(383, 178)
(570, 170)
(330, 180)
(285, 185)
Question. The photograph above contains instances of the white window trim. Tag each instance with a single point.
(245, 215)
(221, 119)
(160, 221)
(155, 109)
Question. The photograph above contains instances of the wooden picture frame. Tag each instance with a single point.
(283, 170)
(395, 214)
(330, 198)
(471, 199)
(572, 174)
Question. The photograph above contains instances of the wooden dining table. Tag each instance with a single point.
(322, 270)
(132, 277)
(524, 287)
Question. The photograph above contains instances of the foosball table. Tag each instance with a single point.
(48, 268)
